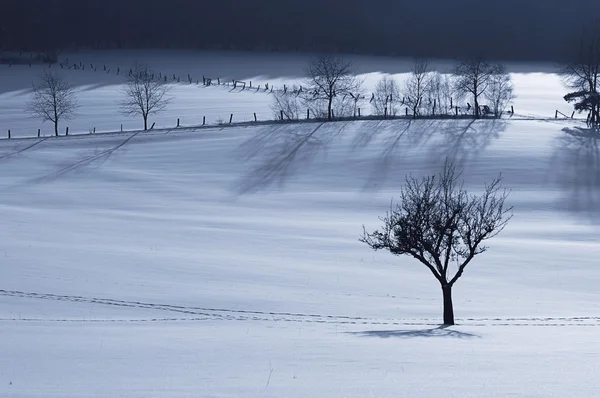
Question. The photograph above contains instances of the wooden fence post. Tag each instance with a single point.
(177, 122)
(121, 128)
(230, 118)
(67, 132)
(512, 109)
(307, 114)
(281, 114)
(8, 133)
(385, 112)
(255, 119)
(556, 114)
(406, 110)
(94, 132)
(358, 112)
(203, 120)
(39, 132)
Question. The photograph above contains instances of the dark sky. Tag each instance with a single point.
(507, 29)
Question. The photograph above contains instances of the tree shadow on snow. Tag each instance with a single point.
(275, 155)
(442, 331)
(575, 168)
(425, 142)
(464, 142)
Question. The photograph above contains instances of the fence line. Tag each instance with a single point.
(234, 84)
(279, 120)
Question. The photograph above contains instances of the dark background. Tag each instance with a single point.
(508, 29)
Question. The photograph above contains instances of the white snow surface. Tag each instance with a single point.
(225, 262)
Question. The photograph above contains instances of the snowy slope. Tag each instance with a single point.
(224, 262)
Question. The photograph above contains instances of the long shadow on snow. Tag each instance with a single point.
(575, 168)
(427, 142)
(280, 152)
(277, 154)
(441, 331)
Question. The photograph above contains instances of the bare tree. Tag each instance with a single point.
(442, 226)
(582, 74)
(145, 93)
(53, 99)
(287, 102)
(473, 77)
(417, 86)
(386, 96)
(439, 94)
(500, 91)
(329, 77)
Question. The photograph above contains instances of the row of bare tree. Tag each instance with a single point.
(54, 99)
(332, 89)
(474, 87)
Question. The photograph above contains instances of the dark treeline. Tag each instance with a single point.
(507, 29)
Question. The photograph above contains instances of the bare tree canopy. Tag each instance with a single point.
(53, 99)
(417, 86)
(287, 103)
(439, 92)
(472, 78)
(145, 93)
(386, 97)
(500, 92)
(582, 73)
(441, 225)
(330, 77)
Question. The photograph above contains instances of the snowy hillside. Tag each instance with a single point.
(141, 270)
(539, 91)
(225, 262)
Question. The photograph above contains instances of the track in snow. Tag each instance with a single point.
(204, 314)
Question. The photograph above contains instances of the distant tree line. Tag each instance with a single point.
(332, 90)
(507, 30)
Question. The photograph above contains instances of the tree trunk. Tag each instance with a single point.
(329, 106)
(477, 114)
(145, 123)
(448, 308)
(56, 129)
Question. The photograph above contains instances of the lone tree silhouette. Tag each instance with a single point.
(417, 86)
(500, 91)
(473, 77)
(328, 77)
(145, 93)
(53, 99)
(441, 225)
(582, 74)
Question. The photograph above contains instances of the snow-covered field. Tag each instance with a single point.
(539, 92)
(225, 262)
